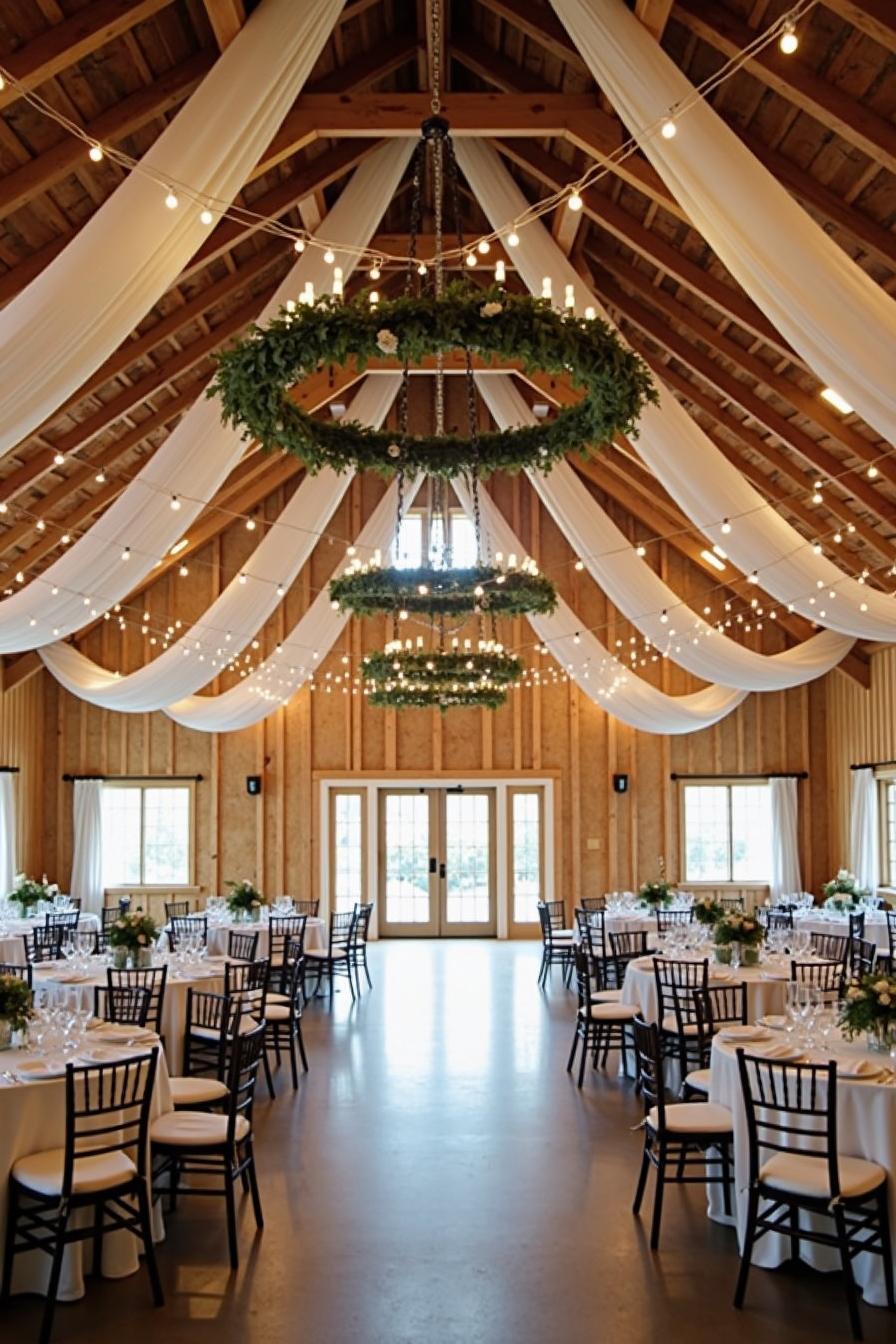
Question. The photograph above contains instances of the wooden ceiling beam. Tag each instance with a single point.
(877, 18)
(68, 42)
(824, 462)
(731, 303)
(110, 127)
(226, 18)
(654, 14)
(486, 63)
(370, 66)
(542, 27)
(793, 80)
(805, 403)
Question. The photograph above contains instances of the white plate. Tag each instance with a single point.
(744, 1033)
(777, 1021)
(780, 1051)
(34, 1070)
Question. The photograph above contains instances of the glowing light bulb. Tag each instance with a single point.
(575, 201)
(95, 153)
(421, 269)
(126, 553)
(374, 272)
(171, 201)
(471, 259)
(788, 41)
(641, 551)
(175, 503)
(668, 130)
(484, 247)
(299, 245)
(513, 239)
(872, 471)
(250, 524)
(59, 458)
(726, 526)
(242, 580)
(206, 216)
(329, 256)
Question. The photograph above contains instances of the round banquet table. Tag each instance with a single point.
(218, 934)
(866, 1127)
(765, 985)
(60, 981)
(625, 921)
(875, 927)
(32, 1119)
(12, 946)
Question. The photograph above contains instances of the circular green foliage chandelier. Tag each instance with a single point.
(367, 589)
(406, 675)
(255, 375)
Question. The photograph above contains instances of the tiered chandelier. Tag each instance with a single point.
(431, 318)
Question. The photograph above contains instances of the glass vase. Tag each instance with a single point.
(749, 956)
(5, 1033)
(143, 958)
(722, 953)
(883, 1039)
(255, 915)
(119, 957)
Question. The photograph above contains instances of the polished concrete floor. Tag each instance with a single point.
(438, 1179)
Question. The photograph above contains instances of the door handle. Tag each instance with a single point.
(441, 870)
(432, 865)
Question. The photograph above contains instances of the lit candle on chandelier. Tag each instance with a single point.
(546, 287)
(500, 272)
(569, 298)
(337, 282)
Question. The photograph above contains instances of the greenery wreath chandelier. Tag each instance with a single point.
(405, 674)
(367, 589)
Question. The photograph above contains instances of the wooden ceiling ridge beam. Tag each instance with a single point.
(793, 80)
(824, 462)
(877, 18)
(468, 47)
(541, 26)
(805, 403)
(731, 302)
(113, 125)
(654, 14)
(68, 42)
(226, 18)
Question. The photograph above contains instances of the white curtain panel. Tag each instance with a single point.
(785, 877)
(83, 305)
(7, 832)
(193, 461)
(827, 307)
(315, 633)
(864, 836)
(242, 608)
(87, 857)
(698, 476)
(601, 676)
(640, 594)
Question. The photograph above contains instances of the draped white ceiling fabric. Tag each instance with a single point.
(640, 594)
(698, 476)
(92, 295)
(601, 676)
(227, 626)
(832, 312)
(315, 633)
(192, 462)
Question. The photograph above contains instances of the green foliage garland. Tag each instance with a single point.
(16, 1002)
(255, 375)
(497, 668)
(448, 592)
(406, 696)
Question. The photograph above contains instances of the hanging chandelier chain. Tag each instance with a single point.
(435, 28)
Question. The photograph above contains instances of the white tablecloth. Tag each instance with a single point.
(174, 1009)
(875, 927)
(218, 935)
(763, 995)
(32, 1118)
(866, 1123)
(12, 948)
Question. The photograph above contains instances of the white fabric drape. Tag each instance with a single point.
(698, 476)
(827, 307)
(87, 858)
(84, 304)
(241, 609)
(303, 649)
(640, 594)
(193, 461)
(601, 676)
(864, 841)
(785, 876)
(7, 832)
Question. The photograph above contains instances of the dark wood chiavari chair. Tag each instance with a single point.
(176, 910)
(308, 908)
(283, 930)
(212, 1023)
(285, 1018)
(43, 944)
(672, 975)
(628, 945)
(242, 946)
(357, 948)
(862, 956)
(187, 926)
(715, 1007)
(556, 944)
(334, 959)
(17, 971)
(248, 982)
(122, 1003)
(830, 947)
(826, 976)
(153, 979)
(672, 919)
(600, 1026)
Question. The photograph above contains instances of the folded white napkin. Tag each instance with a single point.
(744, 1033)
(778, 1050)
(772, 974)
(858, 1068)
(777, 1021)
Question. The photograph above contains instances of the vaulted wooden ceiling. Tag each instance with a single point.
(822, 121)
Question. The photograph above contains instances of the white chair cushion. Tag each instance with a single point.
(277, 1012)
(323, 954)
(804, 1175)
(277, 998)
(607, 996)
(612, 1012)
(210, 1034)
(670, 1024)
(562, 933)
(698, 1079)
(42, 1172)
(196, 1091)
(194, 1129)
(693, 1117)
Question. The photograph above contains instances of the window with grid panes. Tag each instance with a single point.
(727, 832)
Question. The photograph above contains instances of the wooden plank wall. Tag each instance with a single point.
(21, 744)
(861, 727)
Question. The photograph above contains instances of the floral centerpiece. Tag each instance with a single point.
(707, 910)
(657, 893)
(744, 930)
(131, 938)
(869, 1006)
(843, 892)
(245, 901)
(28, 892)
(16, 1007)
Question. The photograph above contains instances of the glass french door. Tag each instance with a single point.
(437, 863)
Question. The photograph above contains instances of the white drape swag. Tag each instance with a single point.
(193, 461)
(87, 857)
(84, 304)
(640, 594)
(706, 486)
(864, 836)
(785, 876)
(7, 832)
(242, 608)
(829, 309)
(592, 666)
(304, 648)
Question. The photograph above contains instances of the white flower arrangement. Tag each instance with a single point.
(491, 309)
(387, 341)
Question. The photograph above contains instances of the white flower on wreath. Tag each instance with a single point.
(387, 341)
(491, 309)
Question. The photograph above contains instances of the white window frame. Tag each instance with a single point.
(886, 780)
(428, 517)
(715, 781)
(188, 888)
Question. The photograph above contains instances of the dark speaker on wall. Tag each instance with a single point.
(253, 784)
(620, 783)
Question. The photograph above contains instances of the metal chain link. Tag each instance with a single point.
(435, 24)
